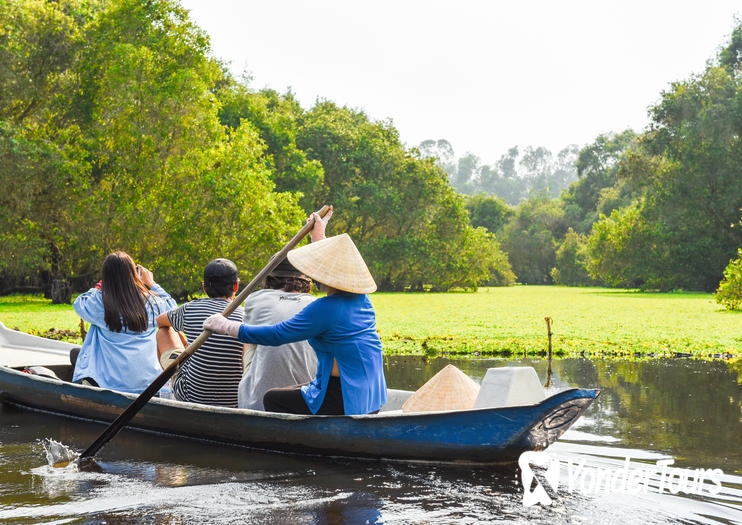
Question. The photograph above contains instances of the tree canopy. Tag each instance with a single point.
(119, 146)
(119, 130)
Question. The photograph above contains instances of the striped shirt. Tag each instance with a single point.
(211, 375)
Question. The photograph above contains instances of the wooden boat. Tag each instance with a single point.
(486, 435)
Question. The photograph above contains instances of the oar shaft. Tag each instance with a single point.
(166, 374)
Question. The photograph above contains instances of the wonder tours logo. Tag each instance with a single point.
(542, 476)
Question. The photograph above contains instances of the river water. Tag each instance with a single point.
(689, 411)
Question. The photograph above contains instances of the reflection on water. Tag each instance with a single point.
(687, 408)
(647, 410)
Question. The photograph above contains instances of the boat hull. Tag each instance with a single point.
(490, 435)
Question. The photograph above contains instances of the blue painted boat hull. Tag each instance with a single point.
(489, 435)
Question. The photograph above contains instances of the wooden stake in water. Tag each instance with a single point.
(548, 333)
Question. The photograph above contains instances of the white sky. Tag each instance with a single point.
(485, 75)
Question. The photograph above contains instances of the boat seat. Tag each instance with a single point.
(41, 371)
(395, 399)
(510, 386)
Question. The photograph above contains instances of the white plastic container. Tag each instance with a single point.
(510, 386)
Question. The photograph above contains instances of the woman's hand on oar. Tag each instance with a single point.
(219, 324)
(320, 223)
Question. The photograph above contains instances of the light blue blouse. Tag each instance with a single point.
(124, 361)
(341, 326)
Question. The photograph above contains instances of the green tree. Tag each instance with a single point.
(530, 239)
(120, 147)
(571, 261)
(409, 224)
(275, 117)
(43, 227)
(689, 163)
(729, 292)
(43, 167)
(623, 251)
(39, 43)
(487, 211)
(597, 169)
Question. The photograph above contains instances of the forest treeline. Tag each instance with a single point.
(657, 210)
(516, 176)
(120, 130)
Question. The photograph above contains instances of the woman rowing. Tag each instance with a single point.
(340, 327)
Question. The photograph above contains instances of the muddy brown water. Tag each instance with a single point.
(652, 410)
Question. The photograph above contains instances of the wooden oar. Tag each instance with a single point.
(166, 374)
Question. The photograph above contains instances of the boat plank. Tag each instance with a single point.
(24, 357)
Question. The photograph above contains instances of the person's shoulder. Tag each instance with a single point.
(338, 301)
(346, 297)
(90, 294)
(346, 301)
(261, 295)
(238, 313)
(206, 305)
(90, 302)
(295, 296)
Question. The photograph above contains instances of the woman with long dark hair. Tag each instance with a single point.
(120, 349)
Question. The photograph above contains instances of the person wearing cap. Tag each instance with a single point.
(211, 376)
(340, 327)
(286, 293)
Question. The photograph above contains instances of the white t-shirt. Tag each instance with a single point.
(275, 366)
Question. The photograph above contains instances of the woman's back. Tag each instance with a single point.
(120, 349)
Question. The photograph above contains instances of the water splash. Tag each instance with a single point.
(58, 455)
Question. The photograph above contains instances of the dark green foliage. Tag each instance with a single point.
(729, 292)
(117, 145)
(409, 224)
(571, 261)
(275, 117)
(530, 239)
(688, 164)
(669, 198)
(487, 211)
(596, 192)
(730, 57)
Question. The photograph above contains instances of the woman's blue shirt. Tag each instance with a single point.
(341, 327)
(124, 361)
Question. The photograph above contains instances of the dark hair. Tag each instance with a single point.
(220, 276)
(290, 284)
(124, 295)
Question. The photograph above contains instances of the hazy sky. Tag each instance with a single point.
(484, 75)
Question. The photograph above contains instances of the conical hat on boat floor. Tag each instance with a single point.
(449, 389)
(336, 262)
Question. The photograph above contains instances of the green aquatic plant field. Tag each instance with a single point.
(593, 321)
(504, 321)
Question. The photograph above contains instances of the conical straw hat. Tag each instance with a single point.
(336, 262)
(449, 389)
